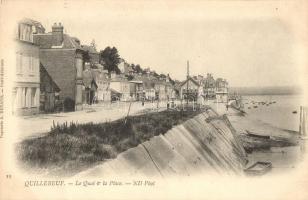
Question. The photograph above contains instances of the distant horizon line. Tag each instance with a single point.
(269, 86)
(267, 90)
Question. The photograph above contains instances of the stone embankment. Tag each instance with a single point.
(206, 143)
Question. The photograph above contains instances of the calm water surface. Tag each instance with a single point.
(284, 113)
(279, 114)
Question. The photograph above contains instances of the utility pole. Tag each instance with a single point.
(130, 104)
(187, 83)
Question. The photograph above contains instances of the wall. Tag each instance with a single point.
(26, 90)
(196, 147)
(123, 87)
(116, 86)
(27, 63)
(103, 92)
(60, 64)
(192, 88)
(47, 92)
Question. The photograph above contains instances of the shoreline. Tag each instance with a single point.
(282, 149)
(244, 124)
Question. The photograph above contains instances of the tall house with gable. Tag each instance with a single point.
(26, 91)
(63, 58)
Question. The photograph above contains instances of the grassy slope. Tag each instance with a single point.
(73, 147)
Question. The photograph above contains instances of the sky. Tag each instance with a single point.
(247, 50)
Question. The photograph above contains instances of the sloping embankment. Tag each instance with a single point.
(203, 144)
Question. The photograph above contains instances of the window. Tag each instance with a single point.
(28, 97)
(18, 97)
(18, 63)
(33, 95)
(30, 64)
(24, 97)
(31, 35)
(25, 62)
(25, 32)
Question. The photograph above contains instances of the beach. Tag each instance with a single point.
(276, 120)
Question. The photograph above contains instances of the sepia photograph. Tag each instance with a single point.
(153, 100)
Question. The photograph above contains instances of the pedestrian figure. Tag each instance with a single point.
(167, 105)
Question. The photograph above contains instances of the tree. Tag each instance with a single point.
(130, 77)
(110, 58)
(138, 68)
(86, 57)
(133, 67)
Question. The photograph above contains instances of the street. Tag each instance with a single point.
(36, 125)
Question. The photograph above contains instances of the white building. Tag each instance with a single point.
(221, 90)
(193, 89)
(120, 88)
(26, 91)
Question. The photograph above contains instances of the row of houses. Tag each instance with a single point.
(200, 88)
(119, 87)
(54, 71)
(49, 69)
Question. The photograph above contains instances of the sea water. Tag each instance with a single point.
(281, 111)
(284, 113)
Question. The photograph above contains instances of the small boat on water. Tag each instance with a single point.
(259, 168)
(249, 133)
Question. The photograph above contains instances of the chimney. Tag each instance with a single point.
(57, 33)
(168, 78)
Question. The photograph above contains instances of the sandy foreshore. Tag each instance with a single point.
(242, 122)
(279, 146)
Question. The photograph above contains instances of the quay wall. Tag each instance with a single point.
(206, 143)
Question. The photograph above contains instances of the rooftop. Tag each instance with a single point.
(45, 41)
